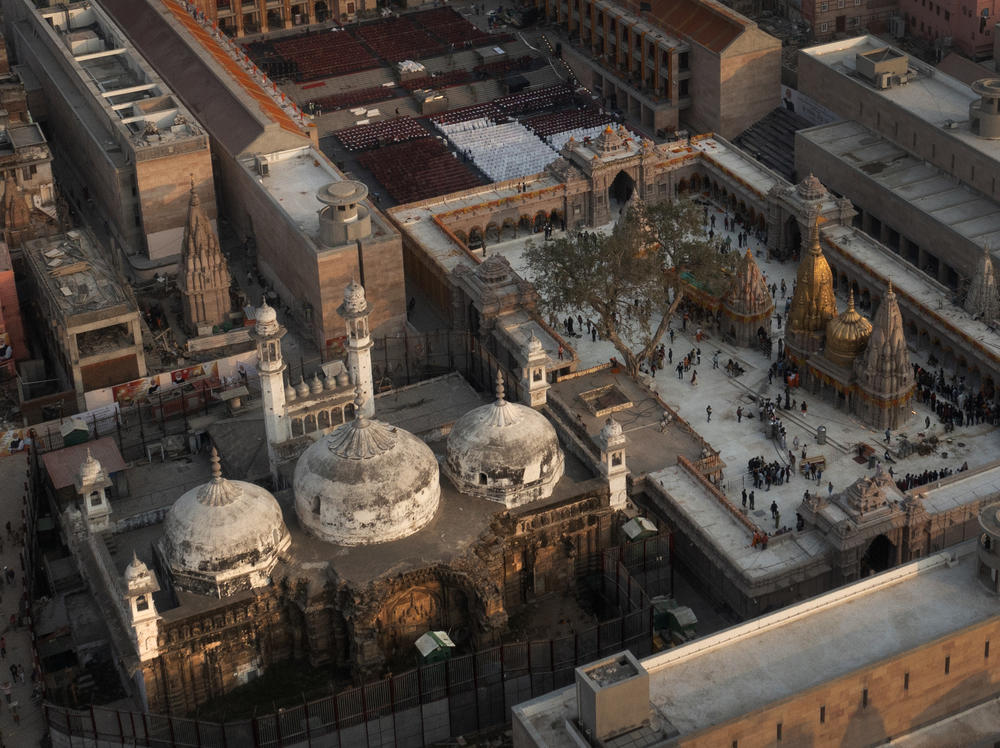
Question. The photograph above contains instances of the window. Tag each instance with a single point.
(779, 732)
(822, 715)
(864, 699)
(29, 171)
(906, 681)
(823, 8)
(986, 650)
(947, 665)
(142, 603)
(616, 459)
(482, 479)
(947, 15)
(823, 27)
(840, 3)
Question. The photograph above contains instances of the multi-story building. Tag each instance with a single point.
(966, 26)
(272, 178)
(95, 331)
(691, 61)
(241, 17)
(916, 153)
(126, 149)
(829, 17)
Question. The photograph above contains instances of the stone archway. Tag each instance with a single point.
(792, 236)
(879, 556)
(622, 188)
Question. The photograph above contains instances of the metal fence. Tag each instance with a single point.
(429, 704)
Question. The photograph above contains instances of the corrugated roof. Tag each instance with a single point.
(710, 24)
(63, 464)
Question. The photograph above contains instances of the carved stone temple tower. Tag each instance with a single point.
(982, 300)
(747, 306)
(884, 374)
(204, 276)
(813, 304)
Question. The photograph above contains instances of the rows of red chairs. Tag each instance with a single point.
(550, 124)
(441, 80)
(353, 98)
(324, 55)
(448, 25)
(398, 39)
(462, 114)
(533, 101)
(365, 137)
(418, 170)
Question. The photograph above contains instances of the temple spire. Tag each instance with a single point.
(884, 373)
(982, 299)
(204, 277)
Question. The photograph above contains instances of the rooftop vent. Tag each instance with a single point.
(882, 67)
(612, 696)
(984, 113)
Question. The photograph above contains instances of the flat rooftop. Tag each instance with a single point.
(957, 207)
(930, 95)
(293, 179)
(70, 269)
(718, 678)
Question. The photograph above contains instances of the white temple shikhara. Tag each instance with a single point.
(204, 277)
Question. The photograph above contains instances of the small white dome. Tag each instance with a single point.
(267, 319)
(612, 430)
(136, 569)
(290, 394)
(343, 378)
(315, 386)
(504, 452)
(534, 345)
(90, 470)
(366, 482)
(302, 389)
(354, 298)
(224, 536)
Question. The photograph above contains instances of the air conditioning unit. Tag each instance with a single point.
(262, 167)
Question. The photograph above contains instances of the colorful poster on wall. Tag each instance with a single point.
(134, 391)
(13, 441)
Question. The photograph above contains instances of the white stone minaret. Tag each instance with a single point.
(533, 373)
(355, 310)
(611, 441)
(140, 609)
(91, 483)
(271, 367)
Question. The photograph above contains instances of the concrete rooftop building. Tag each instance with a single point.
(127, 148)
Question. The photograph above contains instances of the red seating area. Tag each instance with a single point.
(464, 113)
(398, 39)
(353, 98)
(324, 55)
(364, 137)
(449, 26)
(550, 124)
(442, 80)
(532, 101)
(418, 170)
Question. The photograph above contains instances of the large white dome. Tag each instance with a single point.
(224, 536)
(504, 452)
(366, 482)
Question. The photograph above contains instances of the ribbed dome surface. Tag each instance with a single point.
(813, 304)
(366, 482)
(223, 536)
(847, 335)
(504, 452)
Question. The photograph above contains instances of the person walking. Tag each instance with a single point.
(774, 508)
(751, 501)
(739, 414)
(708, 412)
(744, 498)
(694, 377)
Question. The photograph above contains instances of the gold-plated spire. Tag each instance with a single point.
(813, 303)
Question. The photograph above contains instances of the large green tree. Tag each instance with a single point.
(623, 278)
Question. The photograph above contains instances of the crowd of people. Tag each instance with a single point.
(912, 480)
(953, 402)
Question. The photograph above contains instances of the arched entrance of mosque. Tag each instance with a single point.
(793, 236)
(881, 554)
(621, 188)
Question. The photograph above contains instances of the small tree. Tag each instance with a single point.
(622, 278)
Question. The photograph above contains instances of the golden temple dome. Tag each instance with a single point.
(813, 303)
(847, 335)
